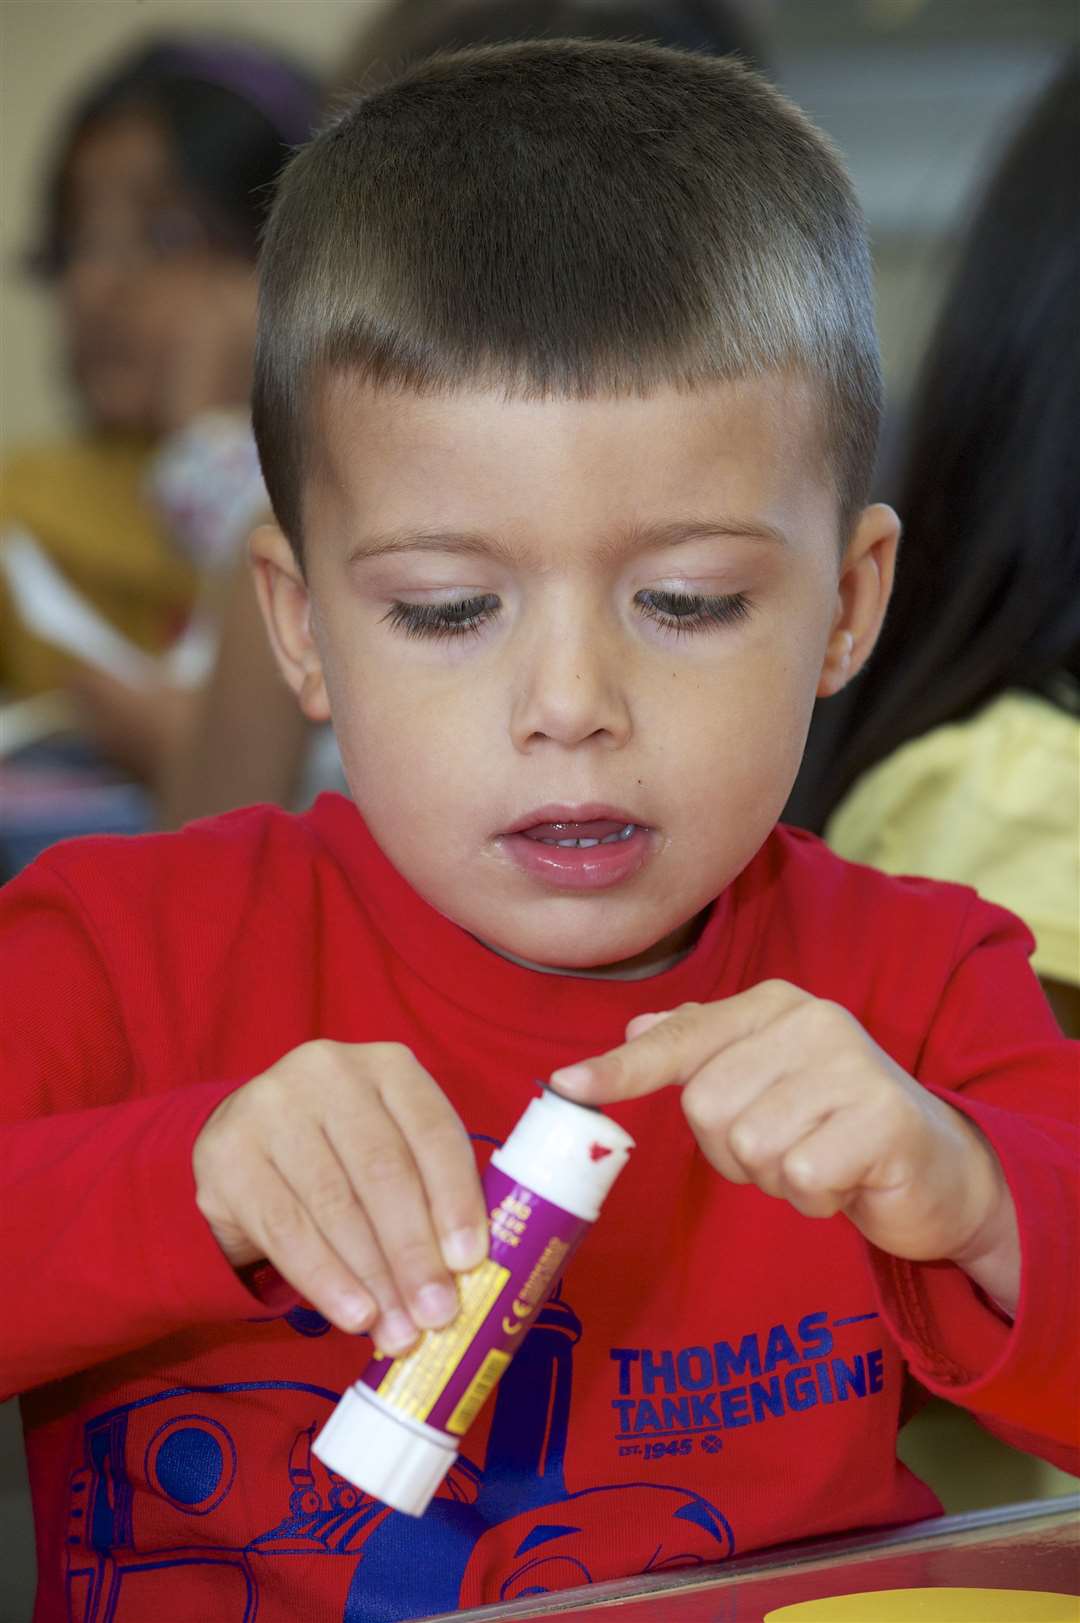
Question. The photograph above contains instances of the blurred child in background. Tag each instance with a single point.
(960, 755)
(149, 236)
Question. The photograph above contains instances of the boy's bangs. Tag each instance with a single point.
(563, 219)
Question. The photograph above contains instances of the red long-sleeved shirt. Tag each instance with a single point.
(716, 1373)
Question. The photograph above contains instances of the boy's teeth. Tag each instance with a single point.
(584, 844)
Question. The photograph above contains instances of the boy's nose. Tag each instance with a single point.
(571, 691)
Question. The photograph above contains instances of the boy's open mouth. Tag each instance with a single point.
(578, 848)
(582, 835)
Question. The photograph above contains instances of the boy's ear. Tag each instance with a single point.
(286, 608)
(863, 591)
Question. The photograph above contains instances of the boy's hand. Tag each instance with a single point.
(345, 1166)
(788, 1092)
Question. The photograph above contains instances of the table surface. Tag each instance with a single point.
(1033, 1546)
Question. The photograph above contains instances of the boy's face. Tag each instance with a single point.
(535, 621)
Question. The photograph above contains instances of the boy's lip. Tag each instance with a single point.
(589, 812)
(597, 865)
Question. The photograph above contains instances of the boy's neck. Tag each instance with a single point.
(654, 960)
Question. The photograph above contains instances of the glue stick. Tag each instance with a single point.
(396, 1431)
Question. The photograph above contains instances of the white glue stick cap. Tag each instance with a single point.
(394, 1458)
(566, 1152)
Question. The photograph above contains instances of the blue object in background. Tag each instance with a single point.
(57, 791)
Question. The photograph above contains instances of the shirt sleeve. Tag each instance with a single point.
(994, 1052)
(102, 1247)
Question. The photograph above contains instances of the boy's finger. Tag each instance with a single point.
(822, 1173)
(381, 1169)
(288, 1238)
(768, 1115)
(644, 1022)
(673, 1049)
(321, 1182)
(447, 1166)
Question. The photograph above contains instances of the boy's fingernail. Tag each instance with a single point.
(435, 1306)
(356, 1312)
(465, 1249)
(395, 1332)
(642, 1023)
(571, 1077)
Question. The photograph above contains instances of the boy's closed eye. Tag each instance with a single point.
(680, 612)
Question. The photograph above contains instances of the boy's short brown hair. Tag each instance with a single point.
(567, 218)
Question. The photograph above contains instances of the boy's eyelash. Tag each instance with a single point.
(681, 612)
(685, 612)
(457, 618)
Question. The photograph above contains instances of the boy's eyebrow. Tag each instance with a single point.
(463, 541)
(637, 539)
(727, 527)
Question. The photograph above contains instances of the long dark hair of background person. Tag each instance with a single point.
(987, 594)
(231, 113)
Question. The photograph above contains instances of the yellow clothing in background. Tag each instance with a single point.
(992, 802)
(83, 504)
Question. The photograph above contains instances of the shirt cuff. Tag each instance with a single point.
(955, 1340)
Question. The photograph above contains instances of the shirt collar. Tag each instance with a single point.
(456, 966)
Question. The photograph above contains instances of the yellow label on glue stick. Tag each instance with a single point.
(415, 1383)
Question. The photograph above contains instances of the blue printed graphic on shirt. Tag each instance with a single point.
(513, 1514)
(703, 1391)
(164, 1484)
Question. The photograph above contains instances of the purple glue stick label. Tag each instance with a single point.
(447, 1376)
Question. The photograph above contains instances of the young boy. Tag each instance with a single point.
(567, 398)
